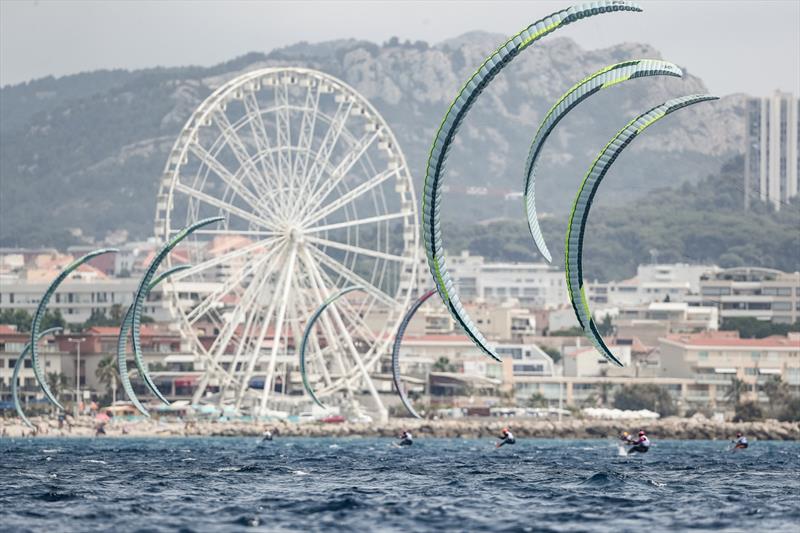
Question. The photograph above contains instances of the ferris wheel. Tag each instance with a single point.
(316, 195)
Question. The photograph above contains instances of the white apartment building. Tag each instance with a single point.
(761, 293)
(652, 283)
(772, 155)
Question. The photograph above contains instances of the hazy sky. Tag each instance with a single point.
(734, 46)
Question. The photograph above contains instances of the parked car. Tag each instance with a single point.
(334, 419)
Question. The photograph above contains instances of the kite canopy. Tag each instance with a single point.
(39, 316)
(398, 340)
(141, 293)
(435, 172)
(15, 376)
(583, 203)
(122, 344)
(606, 77)
(307, 335)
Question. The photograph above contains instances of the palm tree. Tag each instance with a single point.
(57, 381)
(734, 394)
(107, 374)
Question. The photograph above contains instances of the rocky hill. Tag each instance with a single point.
(81, 155)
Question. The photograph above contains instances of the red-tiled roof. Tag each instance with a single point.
(731, 339)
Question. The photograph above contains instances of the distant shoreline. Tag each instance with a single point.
(697, 428)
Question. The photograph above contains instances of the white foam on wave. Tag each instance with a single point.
(300, 473)
(95, 461)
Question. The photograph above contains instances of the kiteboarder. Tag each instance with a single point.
(640, 445)
(506, 437)
(406, 439)
(625, 437)
(740, 443)
(267, 436)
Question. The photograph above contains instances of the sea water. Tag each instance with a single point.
(361, 484)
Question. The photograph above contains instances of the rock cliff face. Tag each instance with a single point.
(97, 142)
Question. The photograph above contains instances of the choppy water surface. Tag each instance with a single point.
(366, 484)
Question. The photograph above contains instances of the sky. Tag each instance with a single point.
(734, 46)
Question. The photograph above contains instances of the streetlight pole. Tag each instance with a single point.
(77, 342)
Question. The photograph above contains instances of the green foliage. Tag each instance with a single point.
(18, 318)
(752, 328)
(443, 365)
(734, 394)
(107, 374)
(574, 331)
(22, 320)
(790, 411)
(537, 399)
(553, 353)
(652, 397)
(605, 327)
(57, 381)
(748, 412)
(99, 318)
(697, 223)
(777, 391)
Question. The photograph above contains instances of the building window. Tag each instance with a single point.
(702, 355)
(755, 356)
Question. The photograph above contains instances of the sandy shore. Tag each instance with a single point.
(667, 428)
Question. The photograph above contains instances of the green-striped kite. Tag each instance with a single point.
(15, 376)
(606, 77)
(122, 344)
(40, 311)
(583, 202)
(307, 335)
(141, 294)
(435, 171)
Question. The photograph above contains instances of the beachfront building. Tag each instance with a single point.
(761, 293)
(712, 359)
(772, 149)
(65, 353)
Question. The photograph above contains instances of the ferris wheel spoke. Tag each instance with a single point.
(247, 196)
(356, 320)
(307, 127)
(251, 313)
(261, 139)
(246, 300)
(321, 294)
(358, 222)
(210, 301)
(327, 145)
(351, 276)
(349, 197)
(242, 155)
(357, 250)
(265, 322)
(342, 170)
(254, 233)
(223, 258)
(283, 125)
(279, 323)
(222, 205)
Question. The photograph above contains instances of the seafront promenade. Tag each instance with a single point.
(667, 428)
